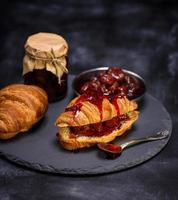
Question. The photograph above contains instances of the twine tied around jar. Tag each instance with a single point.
(56, 65)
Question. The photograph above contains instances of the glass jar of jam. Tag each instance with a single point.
(45, 64)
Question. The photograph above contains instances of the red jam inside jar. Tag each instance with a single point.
(49, 82)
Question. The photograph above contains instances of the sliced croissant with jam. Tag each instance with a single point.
(89, 120)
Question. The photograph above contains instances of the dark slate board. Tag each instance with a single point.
(38, 149)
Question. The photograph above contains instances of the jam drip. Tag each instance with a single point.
(113, 100)
(94, 99)
(97, 100)
(99, 129)
(74, 108)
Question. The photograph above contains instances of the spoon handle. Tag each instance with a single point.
(157, 136)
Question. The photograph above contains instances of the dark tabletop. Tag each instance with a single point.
(141, 36)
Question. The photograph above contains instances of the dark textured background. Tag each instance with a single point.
(138, 35)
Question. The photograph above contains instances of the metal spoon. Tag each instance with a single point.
(115, 149)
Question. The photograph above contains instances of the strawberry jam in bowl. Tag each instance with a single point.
(110, 81)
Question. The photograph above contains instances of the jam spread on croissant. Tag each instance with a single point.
(95, 99)
(113, 81)
(99, 129)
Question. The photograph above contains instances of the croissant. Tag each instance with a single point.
(82, 111)
(21, 106)
(70, 142)
(87, 122)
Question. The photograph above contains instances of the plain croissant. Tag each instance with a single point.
(21, 106)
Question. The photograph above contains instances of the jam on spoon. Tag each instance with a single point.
(113, 150)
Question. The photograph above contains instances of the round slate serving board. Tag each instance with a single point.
(39, 149)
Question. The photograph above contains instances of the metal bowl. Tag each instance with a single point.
(87, 74)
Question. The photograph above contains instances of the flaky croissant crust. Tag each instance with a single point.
(83, 141)
(21, 106)
(89, 112)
